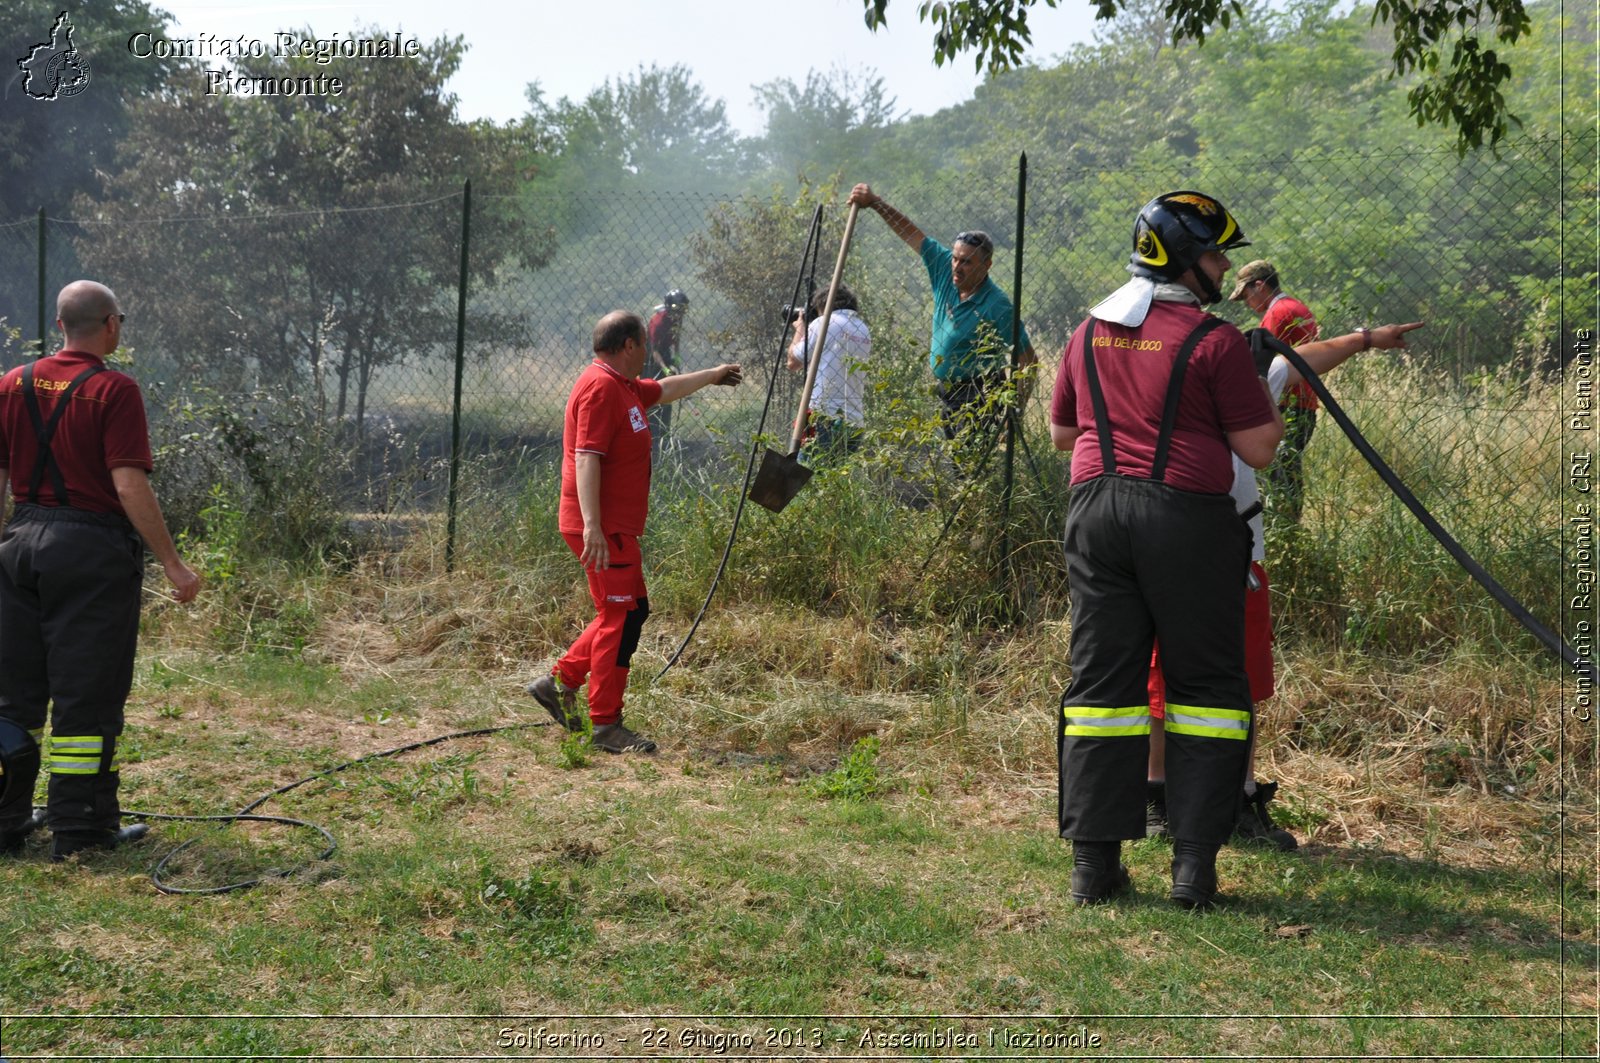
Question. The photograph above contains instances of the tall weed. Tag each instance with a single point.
(267, 466)
(1361, 571)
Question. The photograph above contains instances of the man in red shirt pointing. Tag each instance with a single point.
(605, 494)
(1292, 322)
(75, 446)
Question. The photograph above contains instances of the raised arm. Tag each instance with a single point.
(797, 345)
(863, 196)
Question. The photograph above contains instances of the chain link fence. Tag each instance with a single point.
(322, 346)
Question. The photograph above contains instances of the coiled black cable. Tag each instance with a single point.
(244, 815)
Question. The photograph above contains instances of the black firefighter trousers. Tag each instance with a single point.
(70, 582)
(1148, 561)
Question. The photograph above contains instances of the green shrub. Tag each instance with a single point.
(262, 467)
(857, 777)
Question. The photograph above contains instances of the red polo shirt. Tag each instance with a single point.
(605, 416)
(103, 427)
(1292, 322)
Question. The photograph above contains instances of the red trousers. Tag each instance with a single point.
(604, 651)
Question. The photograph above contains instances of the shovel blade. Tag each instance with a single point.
(778, 480)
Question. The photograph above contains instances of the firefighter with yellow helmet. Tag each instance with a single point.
(1153, 398)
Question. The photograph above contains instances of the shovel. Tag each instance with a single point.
(781, 475)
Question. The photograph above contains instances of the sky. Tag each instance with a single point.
(572, 47)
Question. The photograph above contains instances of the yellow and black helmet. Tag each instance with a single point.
(1175, 229)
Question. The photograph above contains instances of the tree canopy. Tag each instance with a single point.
(266, 253)
(655, 126)
(839, 115)
(54, 150)
(1463, 89)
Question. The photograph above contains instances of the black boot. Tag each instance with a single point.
(1155, 810)
(12, 841)
(1255, 826)
(69, 842)
(1097, 872)
(1194, 873)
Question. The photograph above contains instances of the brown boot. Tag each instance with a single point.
(558, 701)
(615, 738)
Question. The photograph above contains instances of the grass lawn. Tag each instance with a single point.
(739, 895)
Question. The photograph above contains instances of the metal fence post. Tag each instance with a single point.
(461, 357)
(42, 351)
(1009, 480)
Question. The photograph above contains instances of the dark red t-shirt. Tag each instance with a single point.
(605, 416)
(103, 427)
(663, 333)
(1221, 393)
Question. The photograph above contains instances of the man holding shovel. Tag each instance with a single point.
(605, 491)
(970, 346)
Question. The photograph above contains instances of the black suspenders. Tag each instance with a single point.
(1169, 412)
(45, 431)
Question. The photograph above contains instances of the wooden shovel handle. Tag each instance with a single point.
(815, 353)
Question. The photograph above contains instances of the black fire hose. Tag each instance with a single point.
(244, 815)
(805, 279)
(1580, 665)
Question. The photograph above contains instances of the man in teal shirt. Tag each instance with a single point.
(970, 347)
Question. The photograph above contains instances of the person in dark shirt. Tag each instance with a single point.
(76, 450)
(1154, 398)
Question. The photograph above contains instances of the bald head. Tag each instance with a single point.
(616, 329)
(81, 312)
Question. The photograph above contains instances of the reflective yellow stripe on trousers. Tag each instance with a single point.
(76, 754)
(1085, 721)
(1207, 722)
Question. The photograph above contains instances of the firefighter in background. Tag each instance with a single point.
(76, 448)
(664, 330)
(1154, 397)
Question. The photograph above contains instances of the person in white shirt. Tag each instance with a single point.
(838, 401)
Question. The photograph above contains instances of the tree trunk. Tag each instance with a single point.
(363, 378)
(344, 383)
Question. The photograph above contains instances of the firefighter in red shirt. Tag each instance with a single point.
(663, 331)
(1154, 397)
(76, 448)
(605, 493)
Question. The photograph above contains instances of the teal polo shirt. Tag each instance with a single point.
(956, 320)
